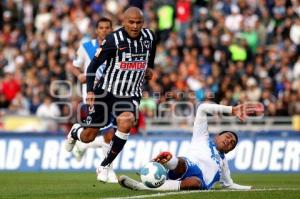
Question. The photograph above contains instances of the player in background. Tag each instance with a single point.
(129, 55)
(205, 164)
(84, 55)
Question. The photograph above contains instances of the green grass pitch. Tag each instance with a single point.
(84, 186)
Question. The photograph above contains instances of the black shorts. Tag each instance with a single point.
(107, 107)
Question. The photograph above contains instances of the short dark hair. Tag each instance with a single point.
(104, 19)
(233, 133)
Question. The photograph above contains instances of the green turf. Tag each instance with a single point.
(84, 186)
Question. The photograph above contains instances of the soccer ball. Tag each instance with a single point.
(153, 174)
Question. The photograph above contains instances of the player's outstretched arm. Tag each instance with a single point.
(240, 111)
(200, 124)
(208, 108)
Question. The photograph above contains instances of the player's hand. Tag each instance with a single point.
(238, 187)
(163, 157)
(82, 78)
(90, 98)
(148, 74)
(246, 109)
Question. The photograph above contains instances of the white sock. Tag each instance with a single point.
(121, 135)
(79, 131)
(172, 164)
(105, 150)
(169, 185)
(81, 146)
(98, 142)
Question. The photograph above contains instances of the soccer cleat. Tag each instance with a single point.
(163, 157)
(102, 173)
(111, 177)
(79, 151)
(70, 142)
(132, 184)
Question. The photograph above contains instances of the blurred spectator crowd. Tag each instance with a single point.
(227, 52)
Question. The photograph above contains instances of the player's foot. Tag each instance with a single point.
(79, 151)
(111, 177)
(70, 142)
(102, 173)
(129, 183)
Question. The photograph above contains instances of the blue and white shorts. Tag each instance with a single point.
(192, 170)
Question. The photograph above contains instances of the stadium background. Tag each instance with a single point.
(224, 52)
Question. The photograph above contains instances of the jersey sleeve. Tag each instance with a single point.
(79, 59)
(200, 129)
(153, 51)
(104, 52)
(226, 180)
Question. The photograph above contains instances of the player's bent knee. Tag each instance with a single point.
(89, 135)
(192, 183)
(180, 168)
(125, 121)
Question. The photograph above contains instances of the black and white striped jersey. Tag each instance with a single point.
(126, 61)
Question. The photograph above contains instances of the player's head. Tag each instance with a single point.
(133, 21)
(226, 141)
(103, 27)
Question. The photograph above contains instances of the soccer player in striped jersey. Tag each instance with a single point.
(205, 164)
(129, 54)
(84, 55)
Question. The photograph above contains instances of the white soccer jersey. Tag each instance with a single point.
(203, 151)
(84, 55)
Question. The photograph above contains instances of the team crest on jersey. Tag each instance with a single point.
(146, 43)
(89, 120)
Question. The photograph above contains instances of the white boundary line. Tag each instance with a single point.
(203, 191)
